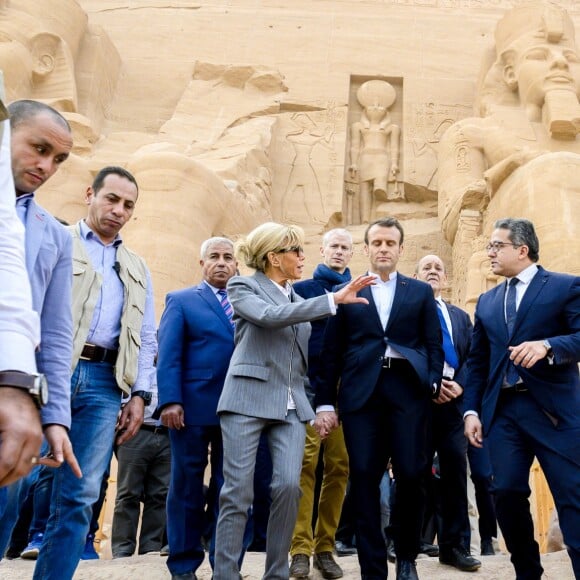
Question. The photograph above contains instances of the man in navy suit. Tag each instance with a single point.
(196, 341)
(388, 358)
(523, 390)
(447, 437)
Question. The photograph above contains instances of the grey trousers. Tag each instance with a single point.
(143, 477)
(241, 435)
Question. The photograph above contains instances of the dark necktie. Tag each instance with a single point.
(512, 376)
(450, 354)
(229, 311)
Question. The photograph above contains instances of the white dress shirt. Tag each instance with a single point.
(383, 295)
(19, 324)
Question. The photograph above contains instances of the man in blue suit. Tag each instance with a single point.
(196, 341)
(388, 357)
(447, 437)
(523, 390)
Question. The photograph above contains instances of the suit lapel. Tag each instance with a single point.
(269, 289)
(35, 226)
(536, 285)
(398, 300)
(208, 295)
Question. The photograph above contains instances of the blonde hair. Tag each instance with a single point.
(269, 237)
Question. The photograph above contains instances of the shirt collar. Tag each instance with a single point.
(24, 199)
(379, 282)
(526, 275)
(88, 234)
(286, 289)
(213, 288)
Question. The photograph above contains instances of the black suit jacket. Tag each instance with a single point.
(355, 342)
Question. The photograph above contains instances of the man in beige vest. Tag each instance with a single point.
(113, 353)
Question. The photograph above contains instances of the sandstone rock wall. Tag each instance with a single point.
(238, 111)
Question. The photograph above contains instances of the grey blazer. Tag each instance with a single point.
(271, 349)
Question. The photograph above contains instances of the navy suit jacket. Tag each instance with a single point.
(196, 341)
(355, 343)
(49, 266)
(550, 309)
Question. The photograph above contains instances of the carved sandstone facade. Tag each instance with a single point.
(232, 114)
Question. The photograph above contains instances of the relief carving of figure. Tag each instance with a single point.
(303, 187)
(374, 147)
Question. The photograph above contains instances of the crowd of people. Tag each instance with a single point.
(369, 391)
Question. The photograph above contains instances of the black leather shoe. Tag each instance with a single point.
(329, 569)
(391, 554)
(406, 570)
(459, 558)
(186, 576)
(487, 548)
(343, 549)
(430, 550)
(300, 566)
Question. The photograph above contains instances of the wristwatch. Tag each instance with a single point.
(548, 346)
(35, 384)
(145, 395)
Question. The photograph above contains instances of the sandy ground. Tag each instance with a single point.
(152, 567)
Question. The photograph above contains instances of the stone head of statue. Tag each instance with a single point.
(376, 97)
(38, 45)
(536, 55)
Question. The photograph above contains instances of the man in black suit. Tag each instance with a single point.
(388, 358)
(447, 437)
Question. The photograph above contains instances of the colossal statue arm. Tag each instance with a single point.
(462, 165)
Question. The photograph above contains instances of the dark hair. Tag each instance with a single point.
(24, 110)
(112, 170)
(388, 222)
(522, 233)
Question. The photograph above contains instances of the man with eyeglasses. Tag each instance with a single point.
(523, 389)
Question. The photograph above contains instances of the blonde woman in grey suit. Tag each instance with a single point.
(264, 390)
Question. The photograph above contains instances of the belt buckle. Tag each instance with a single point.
(387, 362)
(90, 356)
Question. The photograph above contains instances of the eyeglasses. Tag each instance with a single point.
(495, 247)
(298, 250)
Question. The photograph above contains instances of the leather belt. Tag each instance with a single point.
(94, 353)
(161, 429)
(388, 362)
(517, 388)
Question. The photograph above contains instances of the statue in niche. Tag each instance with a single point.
(521, 156)
(303, 189)
(374, 149)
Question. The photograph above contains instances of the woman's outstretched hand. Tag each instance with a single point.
(348, 294)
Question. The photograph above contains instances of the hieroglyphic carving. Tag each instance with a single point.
(428, 123)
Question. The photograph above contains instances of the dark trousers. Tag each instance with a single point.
(481, 476)
(448, 440)
(393, 423)
(521, 431)
(185, 500)
(143, 477)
